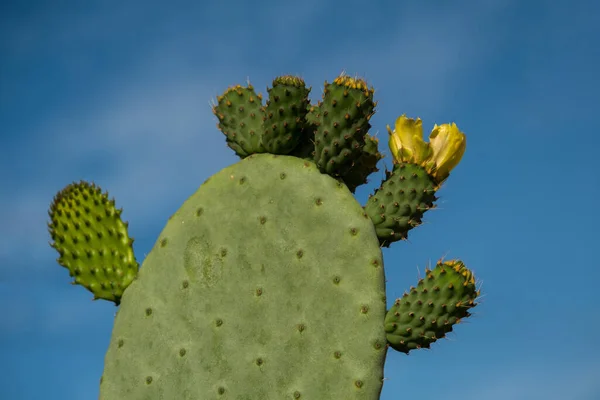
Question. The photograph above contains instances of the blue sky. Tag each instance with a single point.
(119, 94)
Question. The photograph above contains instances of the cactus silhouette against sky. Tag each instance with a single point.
(269, 281)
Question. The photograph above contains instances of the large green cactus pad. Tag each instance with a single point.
(267, 283)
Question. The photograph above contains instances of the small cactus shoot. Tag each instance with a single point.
(269, 281)
(429, 311)
(92, 240)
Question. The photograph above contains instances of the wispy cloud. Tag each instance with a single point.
(145, 145)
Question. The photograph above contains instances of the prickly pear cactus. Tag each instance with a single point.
(269, 282)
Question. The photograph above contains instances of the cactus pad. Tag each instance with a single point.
(267, 283)
(92, 240)
(286, 109)
(429, 311)
(342, 123)
(399, 204)
(241, 113)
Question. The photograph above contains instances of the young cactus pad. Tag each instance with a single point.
(429, 311)
(342, 123)
(92, 240)
(268, 282)
(241, 114)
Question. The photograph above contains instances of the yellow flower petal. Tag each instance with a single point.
(394, 143)
(448, 144)
(406, 141)
(422, 150)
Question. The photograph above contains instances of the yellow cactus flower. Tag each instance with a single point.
(448, 144)
(443, 152)
(406, 141)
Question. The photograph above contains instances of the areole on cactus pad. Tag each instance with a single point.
(269, 281)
